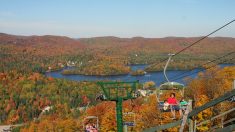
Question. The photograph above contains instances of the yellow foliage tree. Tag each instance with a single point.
(210, 85)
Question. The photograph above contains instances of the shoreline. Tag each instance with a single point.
(129, 73)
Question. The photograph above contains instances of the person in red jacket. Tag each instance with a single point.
(174, 105)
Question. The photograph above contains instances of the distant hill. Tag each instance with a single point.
(40, 53)
(28, 40)
(47, 44)
(213, 45)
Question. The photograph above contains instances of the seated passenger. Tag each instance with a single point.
(166, 106)
(88, 128)
(174, 105)
(183, 105)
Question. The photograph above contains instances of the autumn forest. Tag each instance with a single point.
(43, 103)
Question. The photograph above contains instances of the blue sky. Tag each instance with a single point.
(121, 18)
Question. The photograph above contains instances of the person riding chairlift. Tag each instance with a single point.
(166, 106)
(183, 105)
(174, 105)
(91, 128)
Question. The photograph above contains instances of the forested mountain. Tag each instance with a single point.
(41, 45)
(213, 45)
(43, 53)
(163, 45)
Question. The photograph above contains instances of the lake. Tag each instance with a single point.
(157, 77)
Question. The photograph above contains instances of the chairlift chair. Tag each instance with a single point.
(91, 118)
(169, 85)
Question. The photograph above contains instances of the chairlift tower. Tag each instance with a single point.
(119, 91)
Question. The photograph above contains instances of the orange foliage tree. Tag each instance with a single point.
(207, 86)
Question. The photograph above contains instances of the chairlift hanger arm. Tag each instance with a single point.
(168, 61)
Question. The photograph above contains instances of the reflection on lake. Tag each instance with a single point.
(157, 77)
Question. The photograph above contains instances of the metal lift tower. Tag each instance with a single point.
(119, 91)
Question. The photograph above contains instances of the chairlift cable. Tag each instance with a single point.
(178, 75)
(202, 70)
(204, 37)
(199, 40)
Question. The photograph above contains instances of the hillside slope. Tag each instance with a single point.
(212, 45)
(40, 53)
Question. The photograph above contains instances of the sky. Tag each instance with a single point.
(120, 18)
